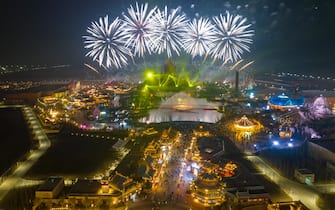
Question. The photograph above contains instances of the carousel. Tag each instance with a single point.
(244, 128)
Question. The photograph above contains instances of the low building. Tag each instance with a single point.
(126, 186)
(292, 205)
(153, 149)
(251, 195)
(90, 193)
(201, 133)
(146, 169)
(51, 188)
(107, 193)
(304, 176)
(85, 187)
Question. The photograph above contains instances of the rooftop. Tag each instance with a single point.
(50, 184)
(84, 186)
(304, 171)
(120, 182)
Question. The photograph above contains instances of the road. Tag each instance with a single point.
(296, 191)
(170, 190)
(14, 179)
(325, 188)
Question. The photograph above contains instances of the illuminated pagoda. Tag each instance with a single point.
(283, 102)
(208, 190)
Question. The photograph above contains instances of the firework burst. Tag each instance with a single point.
(106, 43)
(144, 31)
(198, 39)
(139, 29)
(232, 37)
(169, 29)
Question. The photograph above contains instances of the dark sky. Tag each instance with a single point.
(295, 35)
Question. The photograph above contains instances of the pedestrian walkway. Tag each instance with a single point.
(14, 178)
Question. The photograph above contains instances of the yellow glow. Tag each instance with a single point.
(150, 75)
(53, 113)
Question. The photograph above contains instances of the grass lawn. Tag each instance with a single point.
(14, 140)
(74, 156)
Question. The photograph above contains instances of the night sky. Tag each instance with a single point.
(290, 35)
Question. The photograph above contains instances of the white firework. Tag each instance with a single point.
(169, 28)
(232, 37)
(106, 43)
(138, 28)
(198, 39)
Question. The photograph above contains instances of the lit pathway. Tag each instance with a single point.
(325, 188)
(295, 190)
(14, 179)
